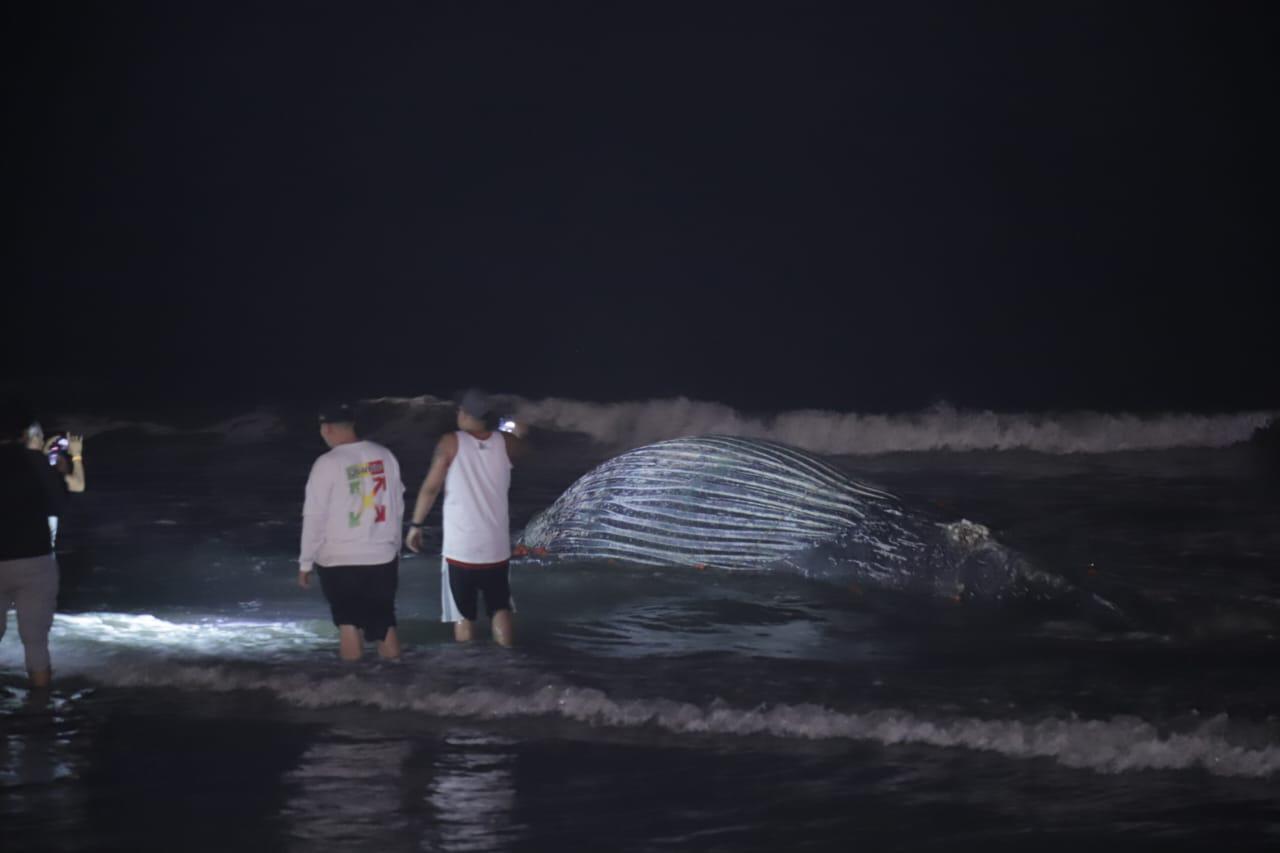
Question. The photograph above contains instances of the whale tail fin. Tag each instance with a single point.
(986, 570)
(989, 570)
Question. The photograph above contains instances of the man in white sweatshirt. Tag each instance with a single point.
(351, 535)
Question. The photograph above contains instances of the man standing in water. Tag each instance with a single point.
(473, 467)
(30, 494)
(351, 535)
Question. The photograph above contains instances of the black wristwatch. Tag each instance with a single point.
(415, 524)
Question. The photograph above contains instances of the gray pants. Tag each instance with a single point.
(30, 586)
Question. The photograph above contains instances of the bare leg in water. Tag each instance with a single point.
(503, 631)
(389, 647)
(350, 643)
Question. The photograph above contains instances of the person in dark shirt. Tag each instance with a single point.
(31, 491)
(65, 454)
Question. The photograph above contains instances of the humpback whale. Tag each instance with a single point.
(750, 505)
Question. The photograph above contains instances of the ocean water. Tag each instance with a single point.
(200, 705)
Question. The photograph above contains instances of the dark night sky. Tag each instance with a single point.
(1013, 205)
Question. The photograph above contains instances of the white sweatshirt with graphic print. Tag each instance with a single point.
(354, 507)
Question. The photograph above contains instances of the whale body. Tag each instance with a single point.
(721, 502)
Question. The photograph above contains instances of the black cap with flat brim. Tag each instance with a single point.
(338, 413)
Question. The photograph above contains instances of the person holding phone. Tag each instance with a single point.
(473, 468)
(31, 492)
(66, 455)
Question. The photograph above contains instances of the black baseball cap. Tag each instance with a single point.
(338, 413)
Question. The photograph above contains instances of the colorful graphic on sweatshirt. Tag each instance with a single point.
(367, 488)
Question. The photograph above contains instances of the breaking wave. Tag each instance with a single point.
(1115, 745)
(242, 429)
(127, 650)
(403, 421)
(938, 428)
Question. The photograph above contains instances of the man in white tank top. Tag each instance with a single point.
(473, 468)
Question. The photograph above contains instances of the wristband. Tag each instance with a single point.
(415, 524)
(77, 458)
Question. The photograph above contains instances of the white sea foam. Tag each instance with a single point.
(1114, 745)
(91, 426)
(404, 421)
(939, 428)
(111, 632)
(242, 429)
(248, 428)
(124, 650)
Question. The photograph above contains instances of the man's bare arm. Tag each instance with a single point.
(75, 477)
(517, 446)
(446, 450)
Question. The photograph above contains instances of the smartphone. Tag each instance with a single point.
(60, 445)
(506, 425)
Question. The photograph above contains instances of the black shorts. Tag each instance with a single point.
(364, 596)
(494, 582)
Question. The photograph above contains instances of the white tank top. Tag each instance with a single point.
(477, 529)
